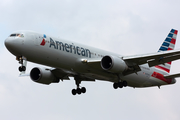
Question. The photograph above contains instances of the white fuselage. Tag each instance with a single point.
(67, 55)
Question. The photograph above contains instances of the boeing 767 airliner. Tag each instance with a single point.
(85, 63)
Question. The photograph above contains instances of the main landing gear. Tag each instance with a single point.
(78, 90)
(22, 60)
(120, 84)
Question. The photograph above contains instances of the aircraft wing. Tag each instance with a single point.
(153, 59)
(65, 74)
(61, 74)
(133, 62)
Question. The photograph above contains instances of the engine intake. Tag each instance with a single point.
(113, 64)
(42, 75)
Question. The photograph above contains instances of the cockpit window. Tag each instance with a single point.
(12, 35)
(18, 35)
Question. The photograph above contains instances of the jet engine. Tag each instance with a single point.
(113, 64)
(42, 75)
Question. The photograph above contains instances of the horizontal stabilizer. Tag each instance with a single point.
(172, 76)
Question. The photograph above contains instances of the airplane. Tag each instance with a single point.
(84, 63)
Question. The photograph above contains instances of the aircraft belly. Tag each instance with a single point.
(139, 80)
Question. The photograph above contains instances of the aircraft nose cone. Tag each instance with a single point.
(12, 45)
(7, 43)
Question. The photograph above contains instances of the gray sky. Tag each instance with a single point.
(126, 27)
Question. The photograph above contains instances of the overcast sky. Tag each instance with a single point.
(126, 27)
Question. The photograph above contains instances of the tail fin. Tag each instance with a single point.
(168, 44)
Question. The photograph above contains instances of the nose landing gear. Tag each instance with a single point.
(22, 60)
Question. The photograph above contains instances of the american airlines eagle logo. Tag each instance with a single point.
(44, 40)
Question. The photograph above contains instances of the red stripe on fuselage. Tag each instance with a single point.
(161, 77)
(162, 68)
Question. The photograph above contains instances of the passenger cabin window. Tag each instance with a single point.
(18, 35)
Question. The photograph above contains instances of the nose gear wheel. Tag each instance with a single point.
(22, 60)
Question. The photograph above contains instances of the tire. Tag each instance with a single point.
(23, 68)
(20, 69)
(115, 85)
(78, 91)
(120, 85)
(74, 91)
(125, 83)
(83, 90)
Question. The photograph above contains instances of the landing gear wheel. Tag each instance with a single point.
(22, 68)
(74, 91)
(120, 84)
(23, 61)
(124, 83)
(78, 91)
(83, 90)
(115, 85)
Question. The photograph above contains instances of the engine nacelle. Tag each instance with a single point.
(42, 75)
(113, 64)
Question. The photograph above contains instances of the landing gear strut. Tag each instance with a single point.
(120, 84)
(78, 90)
(22, 60)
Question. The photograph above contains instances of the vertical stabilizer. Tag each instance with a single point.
(168, 44)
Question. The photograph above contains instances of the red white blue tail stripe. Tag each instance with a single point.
(168, 44)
